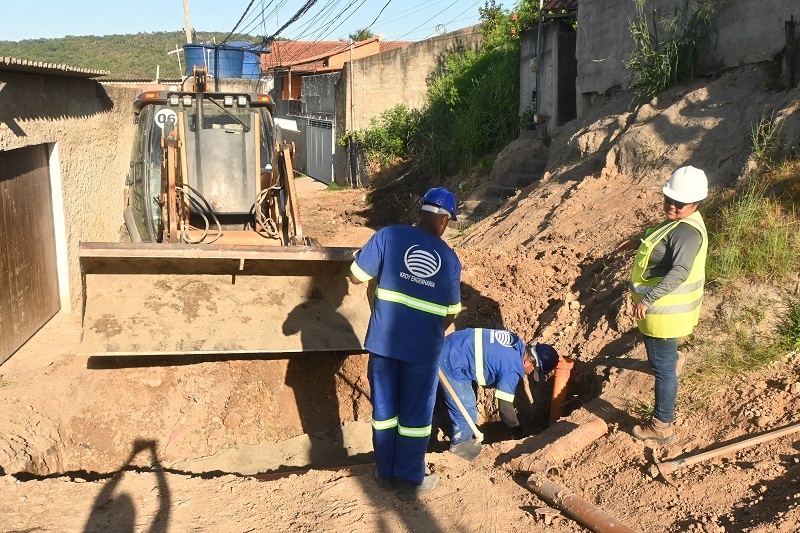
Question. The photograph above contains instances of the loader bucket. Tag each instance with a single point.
(173, 299)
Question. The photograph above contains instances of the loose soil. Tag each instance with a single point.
(175, 444)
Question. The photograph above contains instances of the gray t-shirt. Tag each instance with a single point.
(672, 257)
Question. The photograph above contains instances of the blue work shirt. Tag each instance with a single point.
(418, 284)
(489, 357)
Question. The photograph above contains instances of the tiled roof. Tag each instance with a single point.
(311, 56)
(37, 67)
(286, 53)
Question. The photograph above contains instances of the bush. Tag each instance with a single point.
(666, 48)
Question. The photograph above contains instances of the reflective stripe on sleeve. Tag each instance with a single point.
(454, 309)
(414, 303)
(384, 424)
(500, 395)
(414, 432)
(359, 273)
(479, 374)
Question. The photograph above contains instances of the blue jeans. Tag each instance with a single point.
(466, 393)
(663, 356)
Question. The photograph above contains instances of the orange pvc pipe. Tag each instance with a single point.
(554, 454)
(563, 371)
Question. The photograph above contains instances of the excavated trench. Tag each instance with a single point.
(255, 415)
(243, 416)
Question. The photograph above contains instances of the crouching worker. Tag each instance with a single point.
(489, 358)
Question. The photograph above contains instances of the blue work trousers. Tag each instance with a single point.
(465, 391)
(403, 396)
(663, 357)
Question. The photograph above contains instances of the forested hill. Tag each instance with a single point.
(125, 56)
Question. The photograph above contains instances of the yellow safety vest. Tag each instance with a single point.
(677, 313)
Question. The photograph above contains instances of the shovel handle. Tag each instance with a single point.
(460, 405)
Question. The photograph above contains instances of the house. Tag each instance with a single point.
(305, 75)
(64, 141)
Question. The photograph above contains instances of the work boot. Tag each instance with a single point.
(680, 366)
(383, 483)
(407, 491)
(656, 430)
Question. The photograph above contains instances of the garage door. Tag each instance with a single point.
(28, 275)
(319, 157)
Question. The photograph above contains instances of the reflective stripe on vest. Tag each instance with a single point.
(409, 301)
(384, 424)
(414, 432)
(677, 313)
(479, 374)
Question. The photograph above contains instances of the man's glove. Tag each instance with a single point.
(519, 432)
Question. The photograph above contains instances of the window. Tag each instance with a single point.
(292, 84)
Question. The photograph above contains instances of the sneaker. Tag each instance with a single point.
(656, 430)
(383, 483)
(680, 366)
(407, 491)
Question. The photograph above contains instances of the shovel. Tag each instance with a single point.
(470, 449)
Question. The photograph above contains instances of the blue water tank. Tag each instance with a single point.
(222, 61)
(251, 63)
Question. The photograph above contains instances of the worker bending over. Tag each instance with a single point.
(489, 358)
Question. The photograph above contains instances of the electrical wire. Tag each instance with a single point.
(295, 17)
(225, 40)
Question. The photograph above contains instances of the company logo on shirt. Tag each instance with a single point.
(422, 264)
(503, 337)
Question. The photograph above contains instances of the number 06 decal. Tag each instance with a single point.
(166, 116)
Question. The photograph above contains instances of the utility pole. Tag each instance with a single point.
(188, 24)
(178, 51)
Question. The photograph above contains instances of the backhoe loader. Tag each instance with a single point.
(217, 260)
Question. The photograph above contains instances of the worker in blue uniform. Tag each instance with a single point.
(415, 295)
(489, 358)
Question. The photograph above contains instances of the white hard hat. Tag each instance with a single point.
(687, 185)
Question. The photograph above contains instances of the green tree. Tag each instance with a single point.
(361, 35)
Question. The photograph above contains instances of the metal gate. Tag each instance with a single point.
(319, 154)
(28, 271)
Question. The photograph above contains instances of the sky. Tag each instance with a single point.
(326, 20)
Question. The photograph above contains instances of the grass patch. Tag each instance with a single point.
(764, 139)
(642, 410)
(333, 186)
(753, 235)
(742, 343)
(4, 382)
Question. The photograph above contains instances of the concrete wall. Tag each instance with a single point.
(90, 128)
(382, 81)
(743, 32)
(551, 73)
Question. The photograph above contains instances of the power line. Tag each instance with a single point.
(300, 13)
(379, 13)
(240, 21)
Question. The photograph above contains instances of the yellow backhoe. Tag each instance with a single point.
(217, 260)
